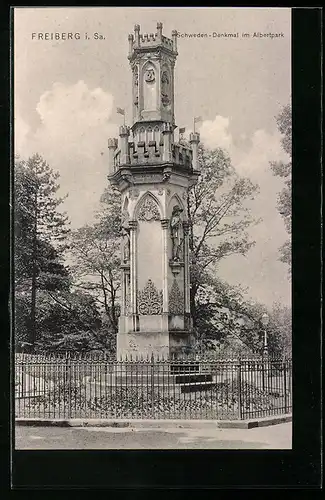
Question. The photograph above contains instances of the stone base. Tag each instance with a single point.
(160, 336)
(157, 344)
(142, 344)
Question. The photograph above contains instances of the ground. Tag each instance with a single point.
(270, 437)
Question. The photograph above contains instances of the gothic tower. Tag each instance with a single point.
(153, 174)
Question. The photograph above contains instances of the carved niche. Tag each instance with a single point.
(136, 76)
(150, 300)
(136, 84)
(175, 233)
(125, 230)
(148, 210)
(176, 300)
(165, 88)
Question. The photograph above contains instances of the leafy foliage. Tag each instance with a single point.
(95, 252)
(67, 322)
(40, 234)
(219, 217)
(284, 122)
(229, 324)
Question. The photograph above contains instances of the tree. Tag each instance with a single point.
(227, 322)
(218, 218)
(95, 252)
(281, 169)
(68, 321)
(40, 234)
(96, 268)
(280, 328)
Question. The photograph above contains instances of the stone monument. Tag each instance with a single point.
(154, 175)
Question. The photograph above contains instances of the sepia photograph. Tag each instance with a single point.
(152, 228)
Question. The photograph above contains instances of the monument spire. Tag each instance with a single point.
(153, 174)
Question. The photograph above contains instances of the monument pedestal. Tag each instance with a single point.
(146, 336)
(154, 175)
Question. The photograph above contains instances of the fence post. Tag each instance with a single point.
(152, 385)
(68, 382)
(239, 390)
(263, 373)
(285, 385)
(23, 383)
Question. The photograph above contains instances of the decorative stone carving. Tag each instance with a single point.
(126, 245)
(150, 75)
(125, 230)
(127, 178)
(150, 299)
(175, 233)
(184, 195)
(164, 78)
(179, 252)
(160, 191)
(166, 176)
(132, 345)
(136, 76)
(176, 300)
(168, 192)
(148, 210)
(134, 193)
(165, 89)
(165, 99)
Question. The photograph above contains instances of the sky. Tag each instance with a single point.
(66, 93)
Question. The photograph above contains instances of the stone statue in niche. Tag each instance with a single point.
(136, 76)
(165, 99)
(175, 233)
(126, 245)
(150, 75)
(179, 251)
(136, 84)
(125, 219)
(125, 230)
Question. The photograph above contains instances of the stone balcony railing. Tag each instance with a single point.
(152, 153)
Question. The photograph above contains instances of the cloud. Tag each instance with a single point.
(75, 123)
(21, 131)
(264, 147)
(215, 133)
(251, 157)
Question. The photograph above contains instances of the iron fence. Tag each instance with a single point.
(188, 388)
